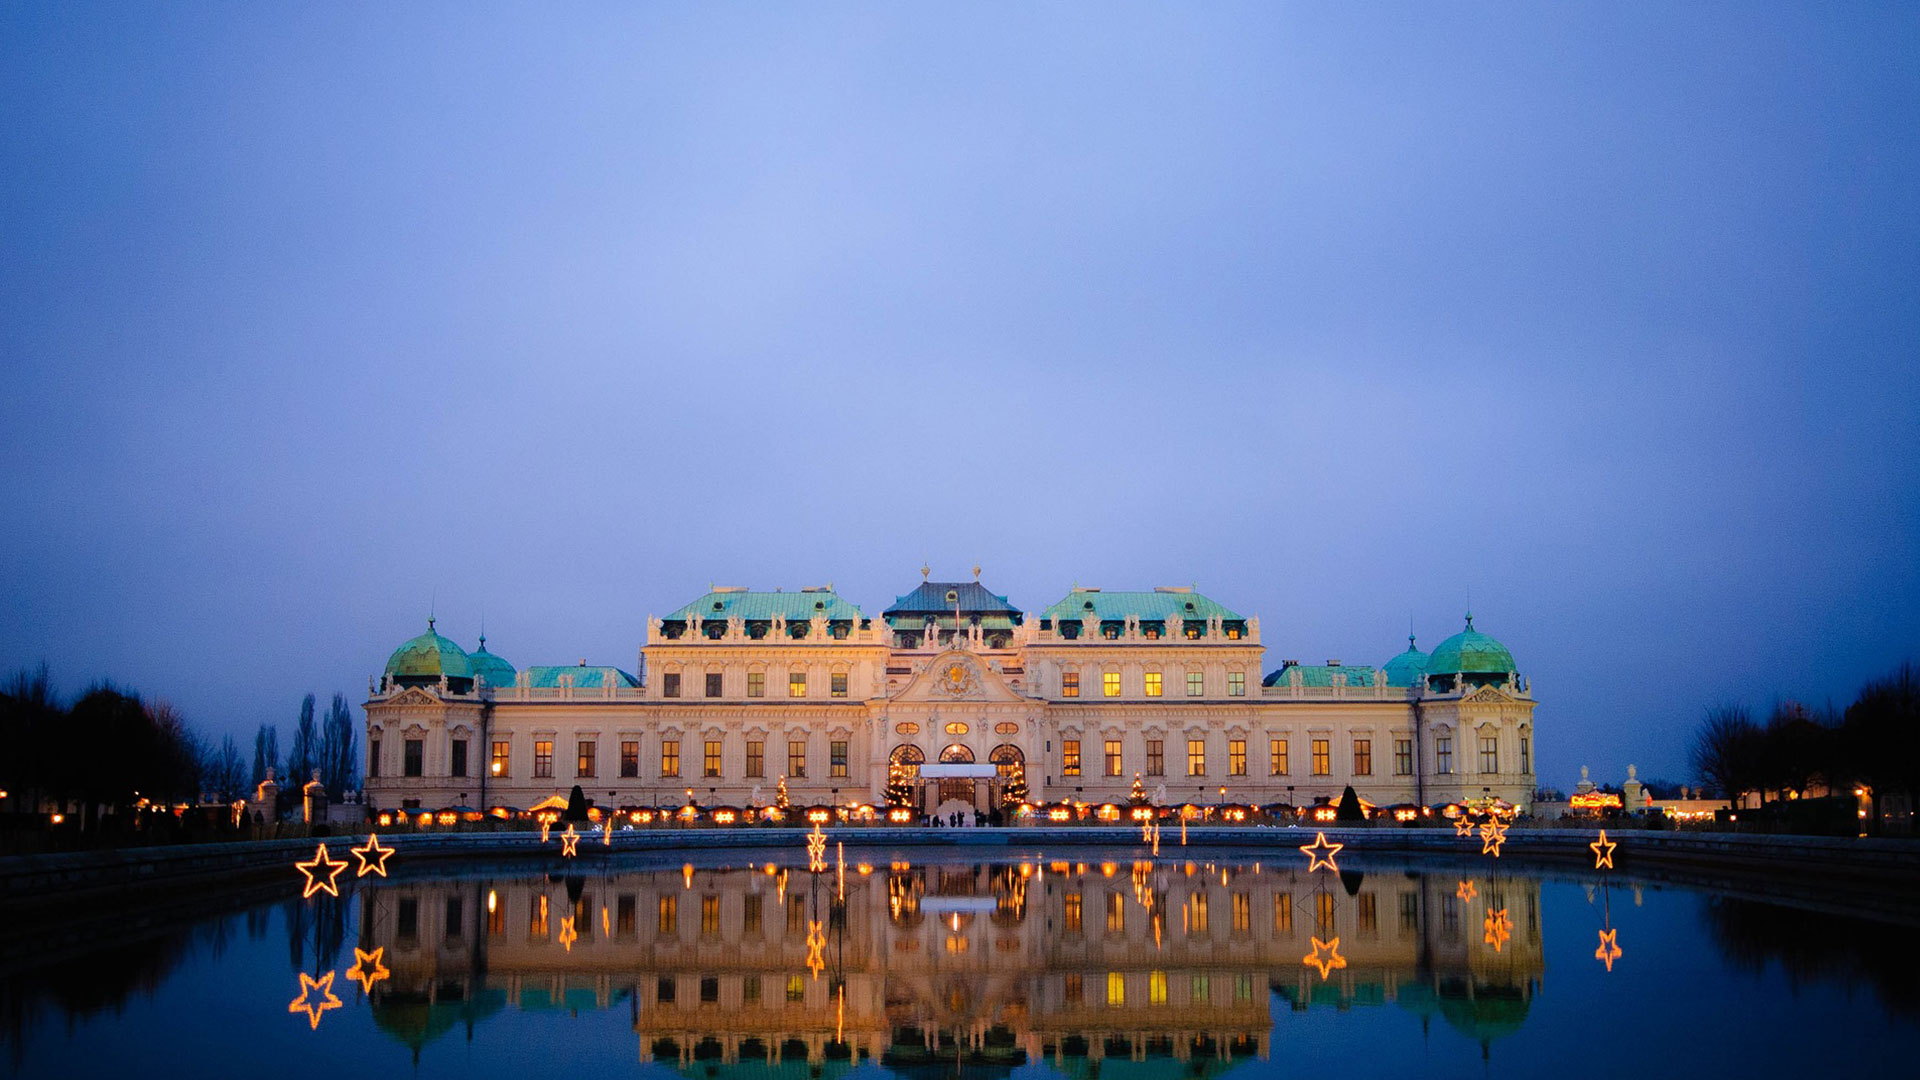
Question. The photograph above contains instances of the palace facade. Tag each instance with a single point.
(739, 690)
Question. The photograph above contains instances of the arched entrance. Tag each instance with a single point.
(910, 758)
(1009, 762)
(956, 790)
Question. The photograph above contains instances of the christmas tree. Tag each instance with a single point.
(899, 785)
(1015, 791)
(780, 794)
(1138, 796)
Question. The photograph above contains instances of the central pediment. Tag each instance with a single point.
(957, 675)
(413, 695)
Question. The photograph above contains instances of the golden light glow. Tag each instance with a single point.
(816, 948)
(1462, 825)
(900, 815)
(493, 901)
(1325, 957)
(569, 843)
(314, 867)
(1326, 813)
(373, 857)
(1603, 852)
(1492, 835)
(1609, 949)
(606, 831)
(819, 815)
(1498, 928)
(546, 824)
(816, 850)
(1321, 853)
(310, 986)
(1466, 892)
(367, 969)
(568, 935)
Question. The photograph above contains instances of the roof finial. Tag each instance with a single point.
(1469, 620)
(976, 571)
(925, 570)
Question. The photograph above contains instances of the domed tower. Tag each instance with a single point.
(491, 670)
(425, 660)
(1407, 669)
(1469, 660)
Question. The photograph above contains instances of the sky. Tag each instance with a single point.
(1601, 318)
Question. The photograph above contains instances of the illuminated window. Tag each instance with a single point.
(796, 684)
(756, 758)
(459, 767)
(711, 766)
(1489, 753)
(1196, 757)
(1156, 757)
(710, 915)
(669, 914)
(1116, 913)
(1069, 684)
(669, 757)
(837, 684)
(1006, 727)
(1323, 913)
(756, 684)
(1116, 989)
(1526, 753)
(1282, 913)
(1110, 683)
(1402, 757)
(629, 757)
(1322, 757)
(1242, 987)
(1236, 757)
(1196, 683)
(1113, 757)
(1363, 757)
(1072, 916)
(1242, 912)
(1202, 989)
(797, 758)
(543, 757)
(1197, 912)
(413, 763)
(502, 758)
(496, 916)
(957, 727)
(713, 683)
(537, 924)
(1070, 757)
(1277, 757)
(837, 758)
(1153, 684)
(670, 684)
(584, 759)
(1233, 631)
(1236, 684)
(1443, 754)
(796, 989)
(1156, 988)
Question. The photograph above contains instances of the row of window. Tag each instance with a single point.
(756, 684)
(1277, 757)
(1196, 684)
(586, 758)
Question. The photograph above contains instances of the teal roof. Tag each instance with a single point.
(1148, 606)
(1320, 674)
(755, 606)
(585, 677)
(931, 597)
(1407, 668)
(1470, 652)
(492, 668)
(429, 656)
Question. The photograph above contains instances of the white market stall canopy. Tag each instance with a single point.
(945, 771)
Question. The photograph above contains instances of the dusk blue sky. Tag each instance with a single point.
(314, 316)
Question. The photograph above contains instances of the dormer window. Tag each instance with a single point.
(953, 596)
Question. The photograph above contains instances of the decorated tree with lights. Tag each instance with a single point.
(899, 785)
(1138, 796)
(780, 800)
(1015, 790)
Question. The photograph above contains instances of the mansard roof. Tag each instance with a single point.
(584, 676)
(931, 599)
(1320, 675)
(1161, 603)
(725, 603)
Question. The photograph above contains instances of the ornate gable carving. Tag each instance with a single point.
(1488, 695)
(957, 675)
(413, 695)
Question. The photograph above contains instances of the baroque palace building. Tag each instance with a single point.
(740, 689)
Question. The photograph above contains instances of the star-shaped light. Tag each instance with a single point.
(816, 947)
(367, 968)
(569, 843)
(1325, 957)
(545, 826)
(1492, 835)
(1466, 892)
(1463, 826)
(1603, 852)
(816, 850)
(373, 857)
(568, 935)
(1321, 853)
(317, 866)
(309, 985)
(1498, 928)
(606, 832)
(1609, 949)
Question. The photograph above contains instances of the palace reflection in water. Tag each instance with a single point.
(984, 964)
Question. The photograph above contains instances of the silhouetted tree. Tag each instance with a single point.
(266, 753)
(174, 774)
(1792, 749)
(576, 804)
(338, 753)
(1881, 734)
(32, 730)
(1349, 809)
(1726, 750)
(226, 772)
(302, 756)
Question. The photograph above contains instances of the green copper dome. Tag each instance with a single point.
(487, 666)
(1407, 668)
(429, 656)
(1470, 652)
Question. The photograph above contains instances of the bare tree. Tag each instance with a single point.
(1725, 751)
(266, 752)
(226, 772)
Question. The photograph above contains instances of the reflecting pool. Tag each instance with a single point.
(1076, 964)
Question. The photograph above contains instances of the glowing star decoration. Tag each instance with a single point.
(1498, 928)
(1603, 852)
(1463, 826)
(1321, 853)
(373, 857)
(309, 986)
(569, 843)
(545, 827)
(816, 850)
(367, 968)
(1466, 892)
(606, 832)
(816, 948)
(315, 867)
(1609, 949)
(1492, 835)
(1325, 957)
(568, 935)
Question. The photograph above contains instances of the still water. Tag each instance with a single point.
(1035, 966)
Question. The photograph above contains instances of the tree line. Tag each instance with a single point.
(1874, 743)
(109, 749)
